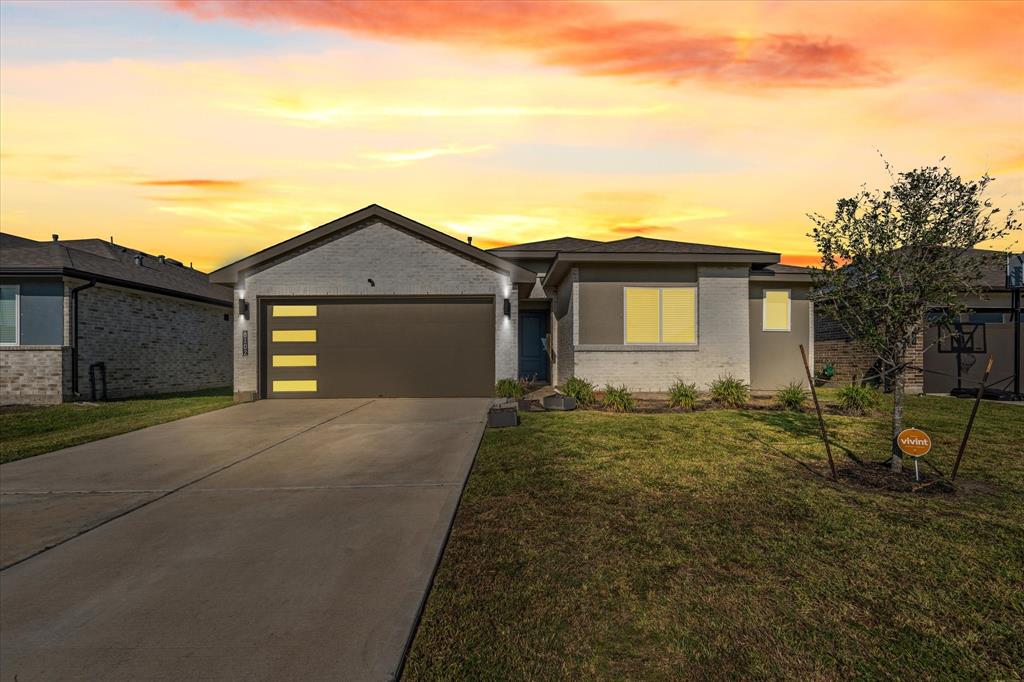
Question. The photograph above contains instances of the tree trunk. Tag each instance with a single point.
(899, 381)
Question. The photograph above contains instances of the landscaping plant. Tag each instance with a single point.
(510, 388)
(682, 395)
(580, 389)
(856, 399)
(729, 390)
(618, 399)
(890, 256)
(792, 396)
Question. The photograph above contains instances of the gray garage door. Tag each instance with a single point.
(377, 347)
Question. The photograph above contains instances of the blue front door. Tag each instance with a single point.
(533, 351)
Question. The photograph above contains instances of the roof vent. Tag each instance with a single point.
(162, 258)
(138, 259)
(56, 237)
(469, 240)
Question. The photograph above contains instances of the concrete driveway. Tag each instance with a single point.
(289, 540)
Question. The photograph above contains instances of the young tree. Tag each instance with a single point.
(891, 256)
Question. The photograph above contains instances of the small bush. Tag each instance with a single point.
(580, 389)
(510, 388)
(618, 399)
(857, 399)
(729, 390)
(792, 396)
(682, 395)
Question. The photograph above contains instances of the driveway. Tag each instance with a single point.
(286, 540)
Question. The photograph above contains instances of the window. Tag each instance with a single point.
(661, 315)
(985, 317)
(9, 314)
(293, 336)
(294, 310)
(294, 361)
(295, 386)
(775, 311)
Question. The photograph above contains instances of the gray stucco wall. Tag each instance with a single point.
(399, 263)
(775, 355)
(601, 296)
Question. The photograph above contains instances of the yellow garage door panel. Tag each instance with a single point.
(294, 310)
(642, 324)
(293, 335)
(294, 361)
(295, 386)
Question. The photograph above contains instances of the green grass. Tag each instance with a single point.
(33, 431)
(695, 546)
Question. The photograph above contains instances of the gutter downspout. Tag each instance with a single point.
(74, 334)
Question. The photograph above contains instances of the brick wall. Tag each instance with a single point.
(723, 342)
(151, 343)
(34, 375)
(400, 264)
(854, 363)
(564, 313)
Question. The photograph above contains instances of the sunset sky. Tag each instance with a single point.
(208, 130)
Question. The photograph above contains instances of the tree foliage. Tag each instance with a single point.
(891, 256)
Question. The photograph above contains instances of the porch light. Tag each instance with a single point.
(508, 308)
(243, 308)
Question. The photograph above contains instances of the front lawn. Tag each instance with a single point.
(25, 432)
(696, 546)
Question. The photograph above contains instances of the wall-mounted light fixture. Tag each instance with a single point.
(243, 308)
(508, 308)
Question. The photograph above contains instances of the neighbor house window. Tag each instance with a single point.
(776, 310)
(9, 332)
(661, 315)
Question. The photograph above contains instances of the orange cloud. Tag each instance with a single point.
(200, 183)
(586, 36)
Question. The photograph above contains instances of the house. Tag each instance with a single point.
(376, 304)
(990, 326)
(84, 318)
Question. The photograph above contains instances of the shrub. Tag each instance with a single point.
(510, 388)
(792, 396)
(682, 395)
(618, 399)
(857, 399)
(729, 390)
(580, 389)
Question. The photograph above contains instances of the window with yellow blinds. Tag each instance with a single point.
(679, 315)
(661, 315)
(775, 313)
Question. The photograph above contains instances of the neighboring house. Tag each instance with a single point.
(989, 320)
(76, 312)
(376, 304)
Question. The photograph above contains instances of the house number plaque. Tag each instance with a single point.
(245, 342)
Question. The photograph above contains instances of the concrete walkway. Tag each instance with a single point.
(286, 540)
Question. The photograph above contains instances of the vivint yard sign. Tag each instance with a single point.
(914, 443)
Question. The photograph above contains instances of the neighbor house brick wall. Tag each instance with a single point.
(853, 363)
(399, 263)
(34, 375)
(151, 343)
(723, 342)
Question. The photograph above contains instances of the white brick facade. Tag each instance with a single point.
(399, 263)
(723, 341)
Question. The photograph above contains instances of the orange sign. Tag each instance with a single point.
(914, 442)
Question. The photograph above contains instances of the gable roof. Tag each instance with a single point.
(229, 273)
(547, 245)
(648, 245)
(95, 259)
